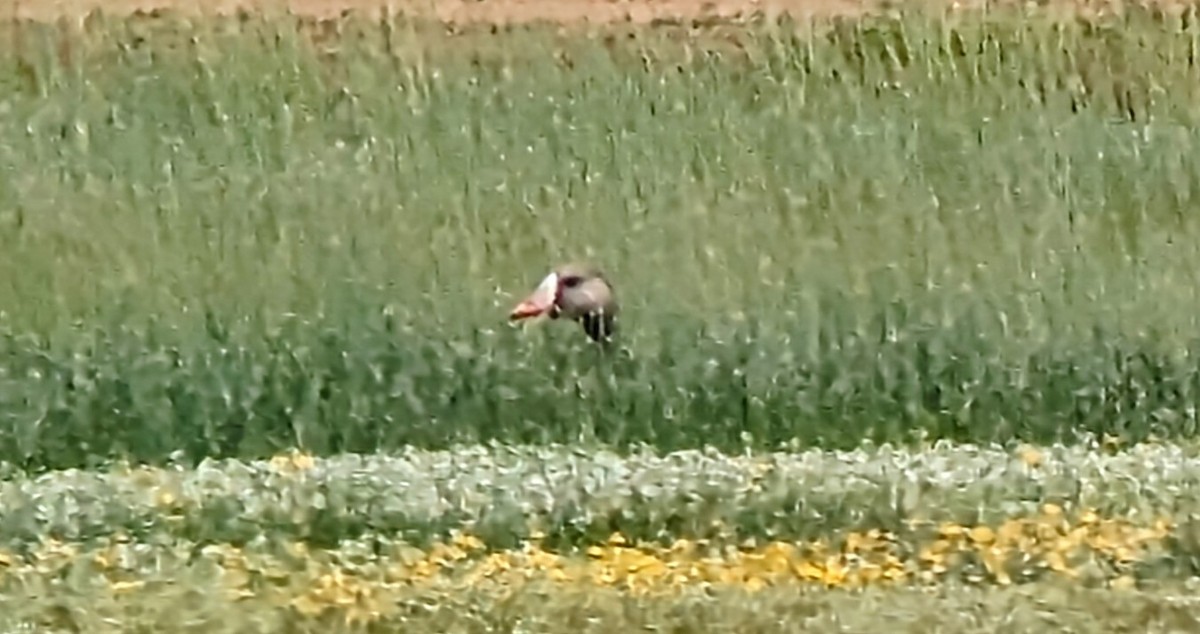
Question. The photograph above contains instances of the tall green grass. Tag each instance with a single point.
(226, 237)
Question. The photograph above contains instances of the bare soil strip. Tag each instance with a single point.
(504, 12)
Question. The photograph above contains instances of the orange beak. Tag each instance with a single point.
(539, 302)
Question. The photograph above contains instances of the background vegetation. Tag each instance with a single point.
(228, 237)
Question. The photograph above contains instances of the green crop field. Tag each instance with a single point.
(965, 242)
(230, 238)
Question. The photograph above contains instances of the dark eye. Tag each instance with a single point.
(572, 281)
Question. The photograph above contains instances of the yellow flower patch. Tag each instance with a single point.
(361, 588)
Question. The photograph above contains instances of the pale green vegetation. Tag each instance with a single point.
(571, 496)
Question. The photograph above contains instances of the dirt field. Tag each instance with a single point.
(520, 11)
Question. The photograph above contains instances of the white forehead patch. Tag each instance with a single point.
(547, 291)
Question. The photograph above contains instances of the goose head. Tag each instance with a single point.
(578, 292)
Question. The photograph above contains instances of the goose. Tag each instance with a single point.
(574, 291)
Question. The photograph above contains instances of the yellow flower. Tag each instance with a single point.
(293, 460)
(1124, 582)
(1031, 456)
(982, 535)
(994, 561)
(754, 584)
(835, 572)
(1056, 562)
(1010, 532)
(809, 571)
(165, 498)
(125, 587)
(951, 531)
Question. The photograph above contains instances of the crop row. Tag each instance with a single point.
(123, 393)
(572, 496)
(376, 580)
(224, 590)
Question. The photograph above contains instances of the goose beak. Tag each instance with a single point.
(540, 302)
